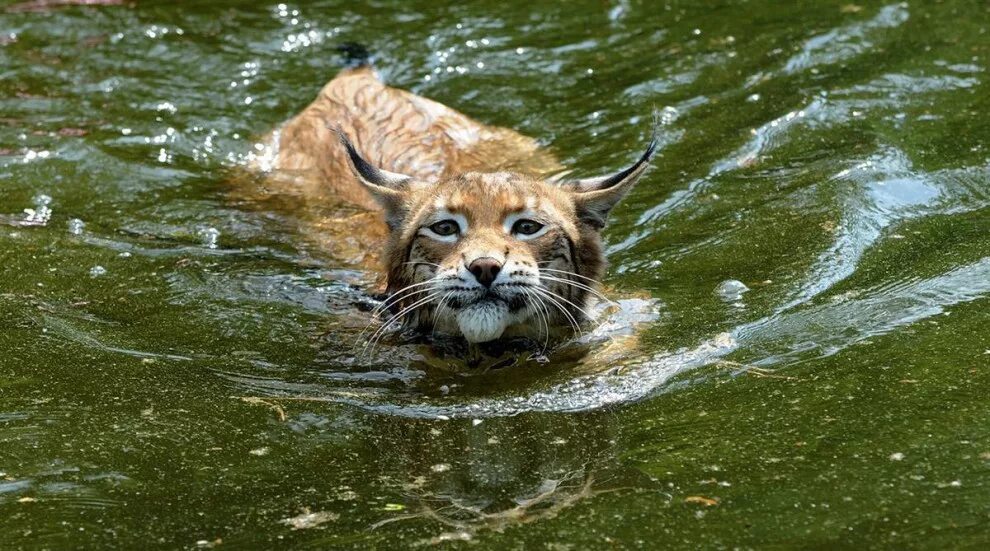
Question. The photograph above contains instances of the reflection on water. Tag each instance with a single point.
(176, 347)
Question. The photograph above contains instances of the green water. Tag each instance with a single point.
(157, 391)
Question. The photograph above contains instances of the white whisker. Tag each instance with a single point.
(540, 310)
(556, 295)
(581, 286)
(571, 274)
(403, 294)
(378, 334)
(550, 296)
(436, 315)
(420, 262)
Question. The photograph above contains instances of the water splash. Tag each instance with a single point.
(210, 237)
(76, 226)
(40, 214)
(731, 290)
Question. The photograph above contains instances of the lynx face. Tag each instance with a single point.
(481, 255)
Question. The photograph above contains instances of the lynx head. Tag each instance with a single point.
(482, 255)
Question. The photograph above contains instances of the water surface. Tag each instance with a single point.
(177, 365)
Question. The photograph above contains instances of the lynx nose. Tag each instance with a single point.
(485, 270)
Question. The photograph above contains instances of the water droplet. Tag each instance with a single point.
(210, 237)
(97, 271)
(668, 115)
(166, 106)
(76, 226)
(41, 213)
(731, 290)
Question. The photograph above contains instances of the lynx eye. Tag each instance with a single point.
(526, 226)
(445, 228)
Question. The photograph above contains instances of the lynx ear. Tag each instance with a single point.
(389, 189)
(595, 197)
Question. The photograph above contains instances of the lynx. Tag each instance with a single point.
(478, 241)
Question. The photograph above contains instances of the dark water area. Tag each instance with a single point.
(178, 365)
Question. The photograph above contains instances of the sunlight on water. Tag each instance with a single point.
(797, 350)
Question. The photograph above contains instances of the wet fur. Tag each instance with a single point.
(398, 157)
(574, 246)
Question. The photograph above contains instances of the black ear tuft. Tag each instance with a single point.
(388, 189)
(595, 197)
(355, 54)
(368, 173)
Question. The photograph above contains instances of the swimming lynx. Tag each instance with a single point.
(478, 242)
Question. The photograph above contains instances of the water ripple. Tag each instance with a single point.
(848, 41)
